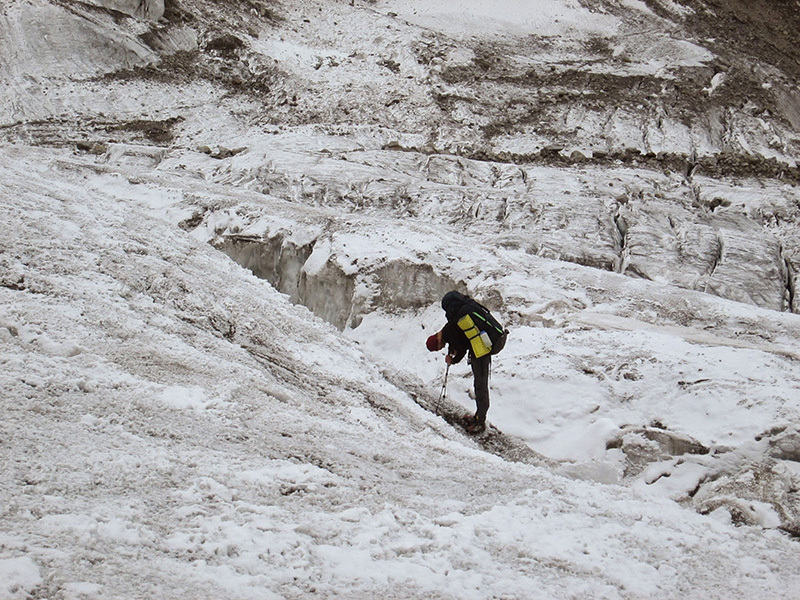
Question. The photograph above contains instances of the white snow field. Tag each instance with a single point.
(174, 426)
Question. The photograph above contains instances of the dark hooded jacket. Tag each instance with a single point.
(457, 342)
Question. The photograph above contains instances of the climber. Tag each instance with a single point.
(472, 329)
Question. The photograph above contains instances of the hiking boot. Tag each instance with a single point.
(475, 426)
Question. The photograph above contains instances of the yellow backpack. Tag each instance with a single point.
(479, 340)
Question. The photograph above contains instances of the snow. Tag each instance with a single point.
(173, 426)
(19, 577)
(507, 17)
(165, 412)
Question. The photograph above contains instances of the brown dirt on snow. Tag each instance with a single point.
(766, 29)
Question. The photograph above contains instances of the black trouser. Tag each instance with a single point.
(480, 374)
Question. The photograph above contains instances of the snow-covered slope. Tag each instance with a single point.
(174, 426)
(617, 185)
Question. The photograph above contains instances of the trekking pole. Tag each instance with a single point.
(443, 394)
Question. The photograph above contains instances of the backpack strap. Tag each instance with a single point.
(486, 321)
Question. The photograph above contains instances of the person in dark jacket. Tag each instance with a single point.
(458, 346)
